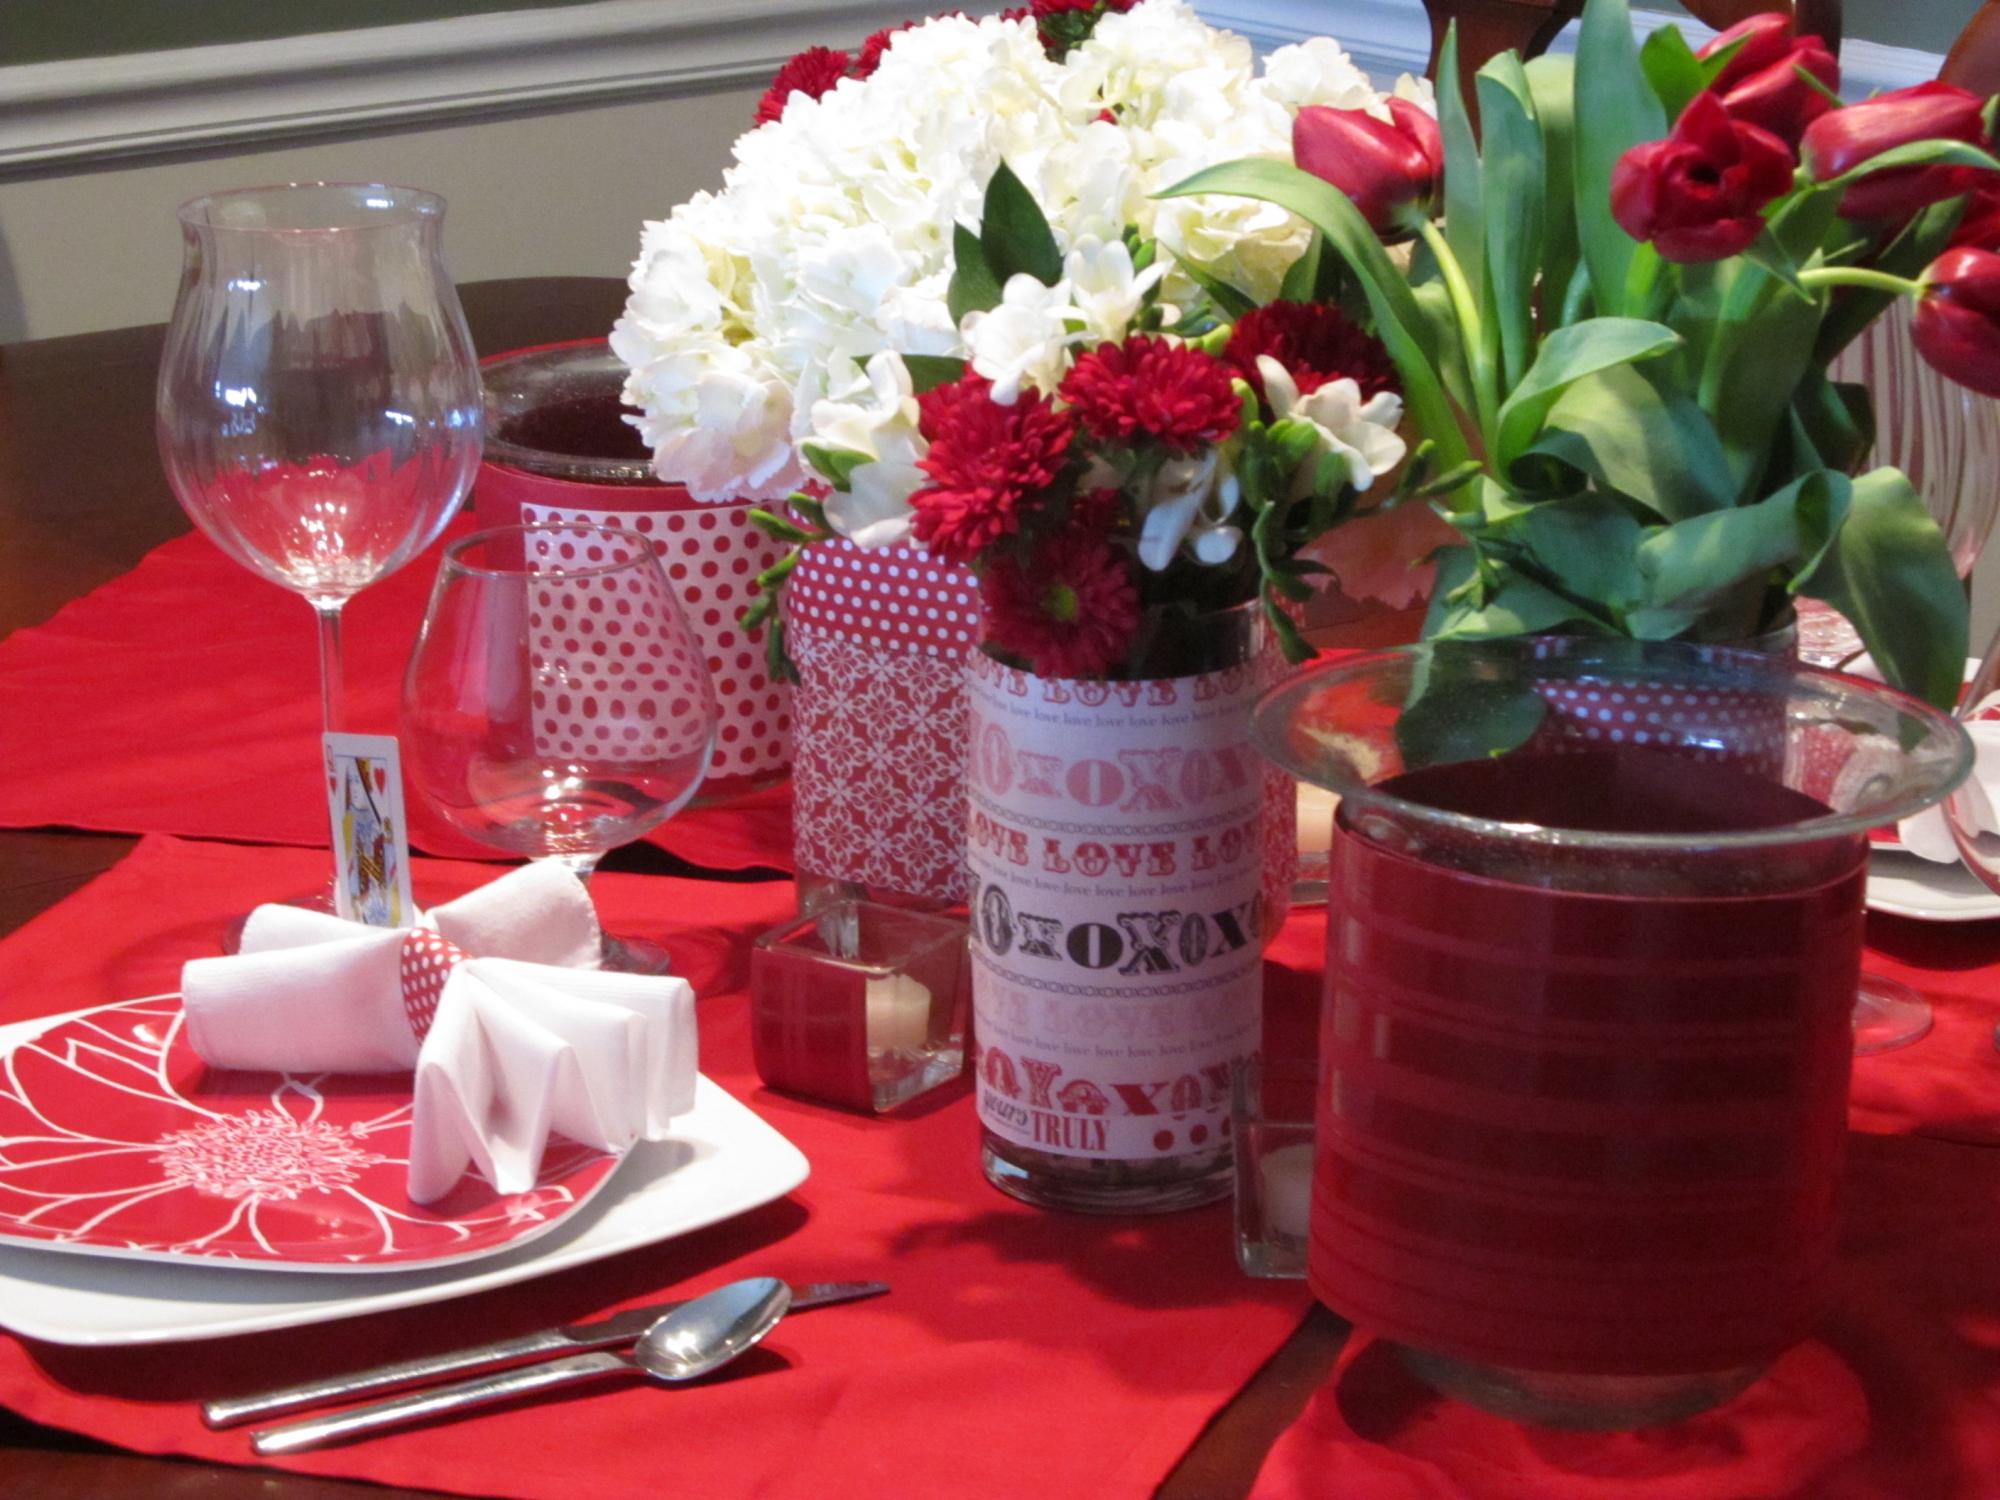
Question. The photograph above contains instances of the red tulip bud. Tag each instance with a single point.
(1957, 324)
(1392, 170)
(1843, 139)
(1980, 226)
(1761, 84)
(1699, 195)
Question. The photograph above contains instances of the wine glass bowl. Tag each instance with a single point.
(558, 704)
(319, 410)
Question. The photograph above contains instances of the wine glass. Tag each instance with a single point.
(1970, 812)
(1946, 439)
(558, 704)
(318, 406)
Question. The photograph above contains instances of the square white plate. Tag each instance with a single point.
(722, 1161)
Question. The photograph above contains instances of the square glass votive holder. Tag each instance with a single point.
(1272, 1127)
(860, 1004)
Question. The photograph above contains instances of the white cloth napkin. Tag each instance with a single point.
(495, 1002)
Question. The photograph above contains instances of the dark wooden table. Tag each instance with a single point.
(82, 499)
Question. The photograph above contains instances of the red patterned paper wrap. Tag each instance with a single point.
(1575, 1132)
(880, 640)
(711, 554)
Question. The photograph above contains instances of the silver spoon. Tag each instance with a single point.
(695, 1338)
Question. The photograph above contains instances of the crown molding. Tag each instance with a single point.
(72, 116)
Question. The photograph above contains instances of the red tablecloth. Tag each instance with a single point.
(182, 698)
(1021, 1353)
(1899, 1395)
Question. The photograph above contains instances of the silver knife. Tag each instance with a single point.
(574, 1338)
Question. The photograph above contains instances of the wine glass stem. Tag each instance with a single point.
(332, 683)
(580, 865)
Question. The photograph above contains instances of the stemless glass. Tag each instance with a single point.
(558, 704)
(318, 407)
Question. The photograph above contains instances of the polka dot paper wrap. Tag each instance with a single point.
(711, 554)
(880, 639)
(1118, 854)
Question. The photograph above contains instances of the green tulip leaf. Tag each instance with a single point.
(1619, 111)
(1919, 154)
(1514, 181)
(1552, 85)
(1890, 572)
(1460, 716)
(1590, 545)
(1673, 70)
(1464, 173)
(1657, 446)
(1398, 322)
(1567, 355)
(1519, 605)
(1697, 563)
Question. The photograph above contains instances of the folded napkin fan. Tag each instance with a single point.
(493, 1000)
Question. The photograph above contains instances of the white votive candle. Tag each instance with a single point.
(899, 1014)
(1287, 1178)
(1316, 806)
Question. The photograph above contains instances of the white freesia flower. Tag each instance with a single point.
(1192, 500)
(831, 236)
(1362, 433)
(1104, 288)
(874, 510)
(1025, 340)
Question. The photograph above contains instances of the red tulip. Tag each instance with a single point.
(1761, 84)
(1392, 170)
(1699, 195)
(1980, 226)
(1957, 324)
(1844, 139)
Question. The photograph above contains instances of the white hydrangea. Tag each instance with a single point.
(752, 308)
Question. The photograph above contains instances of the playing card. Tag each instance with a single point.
(371, 840)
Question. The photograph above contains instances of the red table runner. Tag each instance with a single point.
(181, 698)
(1020, 1352)
(1899, 1394)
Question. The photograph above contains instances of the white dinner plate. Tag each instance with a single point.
(722, 1161)
(1902, 885)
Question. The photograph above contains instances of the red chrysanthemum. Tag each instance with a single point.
(812, 73)
(870, 56)
(986, 463)
(1315, 342)
(1070, 610)
(1152, 388)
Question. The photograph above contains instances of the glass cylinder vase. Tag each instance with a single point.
(1117, 856)
(1594, 926)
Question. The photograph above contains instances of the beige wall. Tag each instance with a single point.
(552, 194)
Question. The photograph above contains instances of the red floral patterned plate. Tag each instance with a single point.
(116, 1139)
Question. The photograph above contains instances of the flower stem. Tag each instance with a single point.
(1479, 362)
(1879, 281)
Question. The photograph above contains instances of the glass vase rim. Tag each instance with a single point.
(411, 205)
(1271, 717)
(454, 562)
(584, 353)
